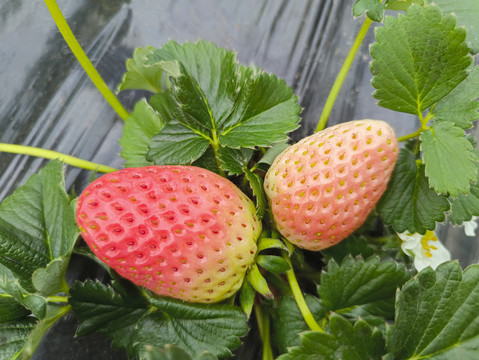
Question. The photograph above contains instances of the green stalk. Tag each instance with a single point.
(83, 59)
(263, 326)
(299, 298)
(328, 106)
(53, 155)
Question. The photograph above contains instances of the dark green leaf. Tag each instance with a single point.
(102, 309)
(193, 327)
(269, 243)
(31, 234)
(10, 309)
(140, 127)
(170, 352)
(265, 113)
(418, 59)
(358, 282)
(13, 335)
(464, 207)
(449, 158)
(51, 280)
(347, 342)
(207, 161)
(177, 144)
(268, 158)
(409, 204)
(234, 161)
(247, 296)
(466, 13)
(256, 184)
(288, 322)
(141, 76)
(460, 106)
(351, 246)
(437, 315)
(374, 9)
(273, 263)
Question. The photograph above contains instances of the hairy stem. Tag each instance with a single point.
(338, 83)
(263, 326)
(83, 59)
(53, 155)
(299, 298)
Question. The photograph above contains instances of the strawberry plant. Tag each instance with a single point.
(220, 227)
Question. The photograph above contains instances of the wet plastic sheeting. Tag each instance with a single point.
(46, 100)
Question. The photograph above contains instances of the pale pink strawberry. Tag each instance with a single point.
(323, 188)
(180, 231)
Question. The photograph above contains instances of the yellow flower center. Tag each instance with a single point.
(427, 237)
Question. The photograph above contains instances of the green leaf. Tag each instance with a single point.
(358, 282)
(258, 282)
(234, 161)
(269, 243)
(351, 246)
(102, 309)
(141, 76)
(51, 279)
(170, 352)
(140, 127)
(266, 111)
(207, 161)
(401, 5)
(256, 184)
(31, 234)
(193, 327)
(437, 314)
(13, 336)
(409, 204)
(247, 297)
(10, 309)
(273, 263)
(466, 13)
(449, 159)
(374, 9)
(346, 341)
(177, 144)
(288, 322)
(418, 59)
(268, 158)
(460, 106)
(464, 207)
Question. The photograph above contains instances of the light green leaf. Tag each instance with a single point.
(374, 9)
(266, 111)
(51, 280)
(464, 207)
(13, 336)
(177, 144)
(258, 282)
(141, 76)
(273, 263)
(234, 161)
(449, 159)
(466, 13)
(170, 352)
(358, 282)
(437, 315)
(460, 106)
(247, 297)
(269, 243)
(140, 127)
(346, 341)
(256, 184)
(193, 327)
(401, 5)
(31, 234)
(409, 204)
(418, 59)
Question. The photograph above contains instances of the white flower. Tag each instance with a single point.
(470, 226)
(426, 249)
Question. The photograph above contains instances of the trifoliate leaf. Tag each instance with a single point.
(193, 327)
(449, 158)
(234, 161)
(140, 127)
(437, 314)
(177, 144)
(460, 106)
(409, 204)
(37, 224)
(141, 76)
(101, 308)
(357, 282)
(418, 59)
(288, 322)
(464, 207)
(466, 13)
(374, 9)
(401, 5)
(346, 341)
(13, 335)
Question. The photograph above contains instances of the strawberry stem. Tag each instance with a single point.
(53, 155)
(84, 60)
(299, 298)
(264, 331)
(338, 83)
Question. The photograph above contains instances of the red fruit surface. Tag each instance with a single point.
(180, 231)
(323, 188)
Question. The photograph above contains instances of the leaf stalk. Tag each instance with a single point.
(264, 331)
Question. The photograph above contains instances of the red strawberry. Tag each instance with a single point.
(180, 231)
(323, 188)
